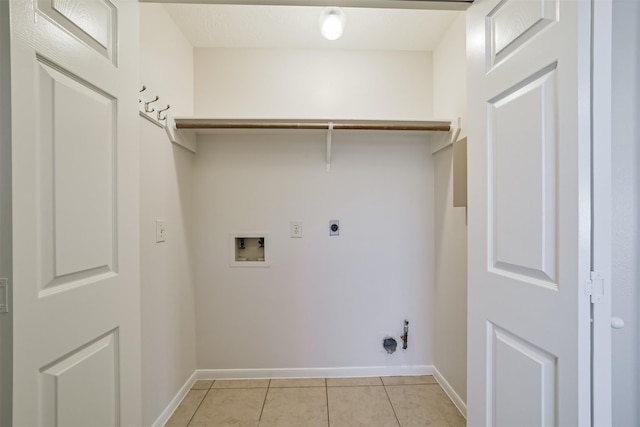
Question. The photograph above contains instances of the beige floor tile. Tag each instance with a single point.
(183, 413)
(346, 382)
(240, 384)
(409, 380)
(295, 407)
(230, 407)
(298, 382)
(360, 406)
(424, 405)
(202, 385)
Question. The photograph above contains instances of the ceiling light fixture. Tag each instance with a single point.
(332, 22)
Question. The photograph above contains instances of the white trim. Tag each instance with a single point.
(601, 207)
(455, 397)
(175, 402)
(340, 372)
(147, 116)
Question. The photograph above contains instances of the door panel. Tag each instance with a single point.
(522, 174)
(511, 23)
(529, 212)
(77, 218)
(94, 366)
(75, 212)
(92, 22)
(514, 362)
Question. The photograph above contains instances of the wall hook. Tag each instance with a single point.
(160, 111)
(146, 105)
(140, 91)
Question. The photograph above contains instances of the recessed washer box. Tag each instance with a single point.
(248, 249)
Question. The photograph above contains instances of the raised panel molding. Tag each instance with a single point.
(77, 233)
(522, 381)
(92, 22)
(523, 176)
(82, 388)
(513, 22)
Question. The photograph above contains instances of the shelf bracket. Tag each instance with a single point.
(329, 135)
(456, 127)
(444, 140)
(183, 138)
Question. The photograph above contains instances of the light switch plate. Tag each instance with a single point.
(161, 231)
(4, 295)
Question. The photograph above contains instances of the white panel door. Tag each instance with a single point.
(75, 212)
(529, 213)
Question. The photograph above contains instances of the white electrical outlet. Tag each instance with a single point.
(295, 228)
(161, 231)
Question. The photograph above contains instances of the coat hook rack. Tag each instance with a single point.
(149, 112)
(140, 91)
(160, 118)
(146, 105)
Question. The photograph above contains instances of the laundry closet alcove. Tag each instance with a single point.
(325, 304)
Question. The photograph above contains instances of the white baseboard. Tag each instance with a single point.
(175, 402)
(364, 371)
(455, 398)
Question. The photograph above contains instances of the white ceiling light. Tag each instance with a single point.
(332, 21)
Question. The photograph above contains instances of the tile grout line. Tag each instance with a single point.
(391, 403)
(326, 395)
(265, 401)
(199, 404)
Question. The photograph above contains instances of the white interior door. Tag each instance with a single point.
(529, 212)
(75, 212)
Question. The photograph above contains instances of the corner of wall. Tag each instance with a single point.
(450, 100)
(450, 74)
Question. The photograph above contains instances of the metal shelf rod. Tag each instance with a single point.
(418, 126)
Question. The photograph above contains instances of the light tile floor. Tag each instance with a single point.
(332, 402)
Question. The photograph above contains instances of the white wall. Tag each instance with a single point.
(325, 301)
(450, 100)
(450, 74)
(626, 212)
(167, 284)
(270, 83)
(6, 326)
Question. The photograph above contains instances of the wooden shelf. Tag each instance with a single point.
(183, 131)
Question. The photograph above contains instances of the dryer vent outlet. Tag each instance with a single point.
(389, 344)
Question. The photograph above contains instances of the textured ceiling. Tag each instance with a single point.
(290, 27)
